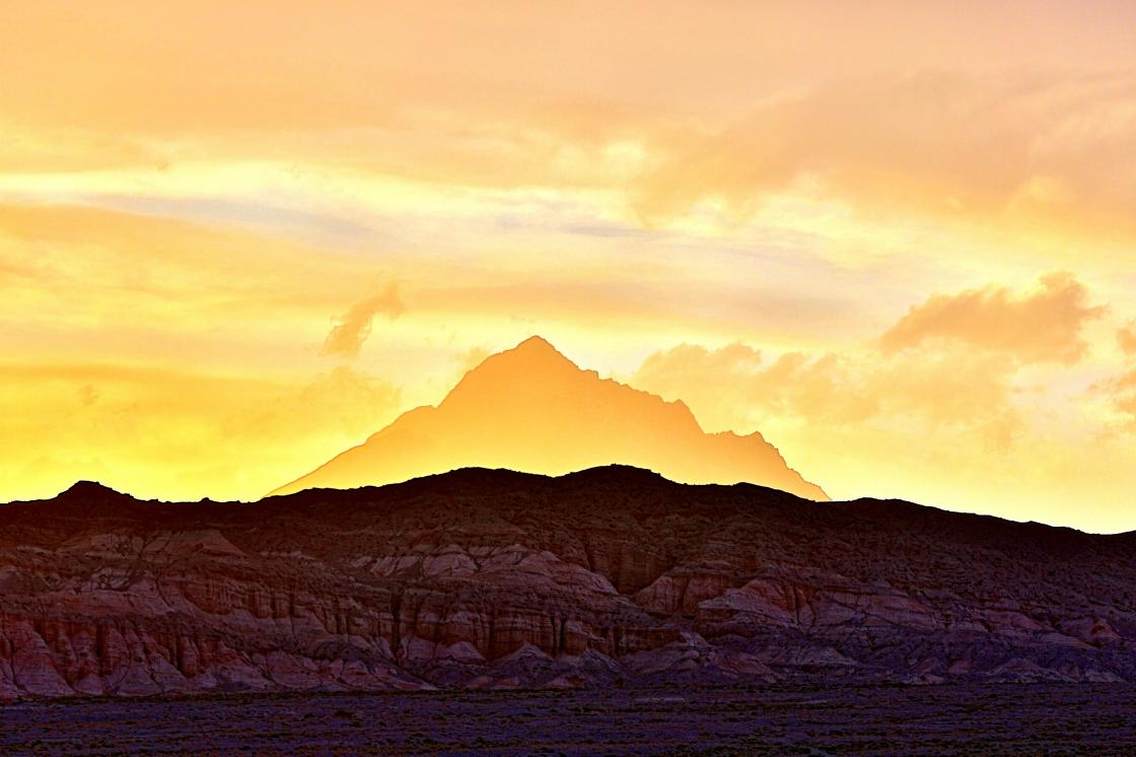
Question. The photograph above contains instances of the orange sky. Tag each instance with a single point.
(896, 237)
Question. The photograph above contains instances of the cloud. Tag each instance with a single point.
(948, 145)
(347, 336)
(939, 389)
(962, 405)
(1120, 393)
(1041, 326)
(1119, 390)
(940, 424)
(633, 113)
(952, 367)
(1126, 338)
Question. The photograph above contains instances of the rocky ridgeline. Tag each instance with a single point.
(478, 578)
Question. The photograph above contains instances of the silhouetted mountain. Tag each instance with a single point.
(532, 409)
(494, 578)
(90, 491)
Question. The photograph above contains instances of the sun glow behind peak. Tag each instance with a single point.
(237, 240)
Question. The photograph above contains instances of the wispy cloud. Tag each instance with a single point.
(348, 335)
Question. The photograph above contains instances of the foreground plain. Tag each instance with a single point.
(958, 719)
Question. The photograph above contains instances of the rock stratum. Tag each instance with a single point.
(490, 578)
(532, 409)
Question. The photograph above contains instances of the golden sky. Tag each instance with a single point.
(898, 238)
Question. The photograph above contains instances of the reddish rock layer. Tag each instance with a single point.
(492, 578)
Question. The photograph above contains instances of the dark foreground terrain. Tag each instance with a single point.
(612, 577)
(969, 719)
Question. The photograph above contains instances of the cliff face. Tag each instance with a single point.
(532, 409)
(493, 578)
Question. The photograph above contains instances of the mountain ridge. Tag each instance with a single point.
(494, 578)
(88, 486)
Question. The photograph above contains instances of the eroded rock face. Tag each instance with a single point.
(495, 579)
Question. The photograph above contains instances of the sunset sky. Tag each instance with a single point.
(899, 238)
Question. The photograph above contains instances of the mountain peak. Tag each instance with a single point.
(532, 363)
(531, 409)
(536, 350)
(536, 343)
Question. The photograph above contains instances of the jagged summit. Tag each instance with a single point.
(531, 409)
